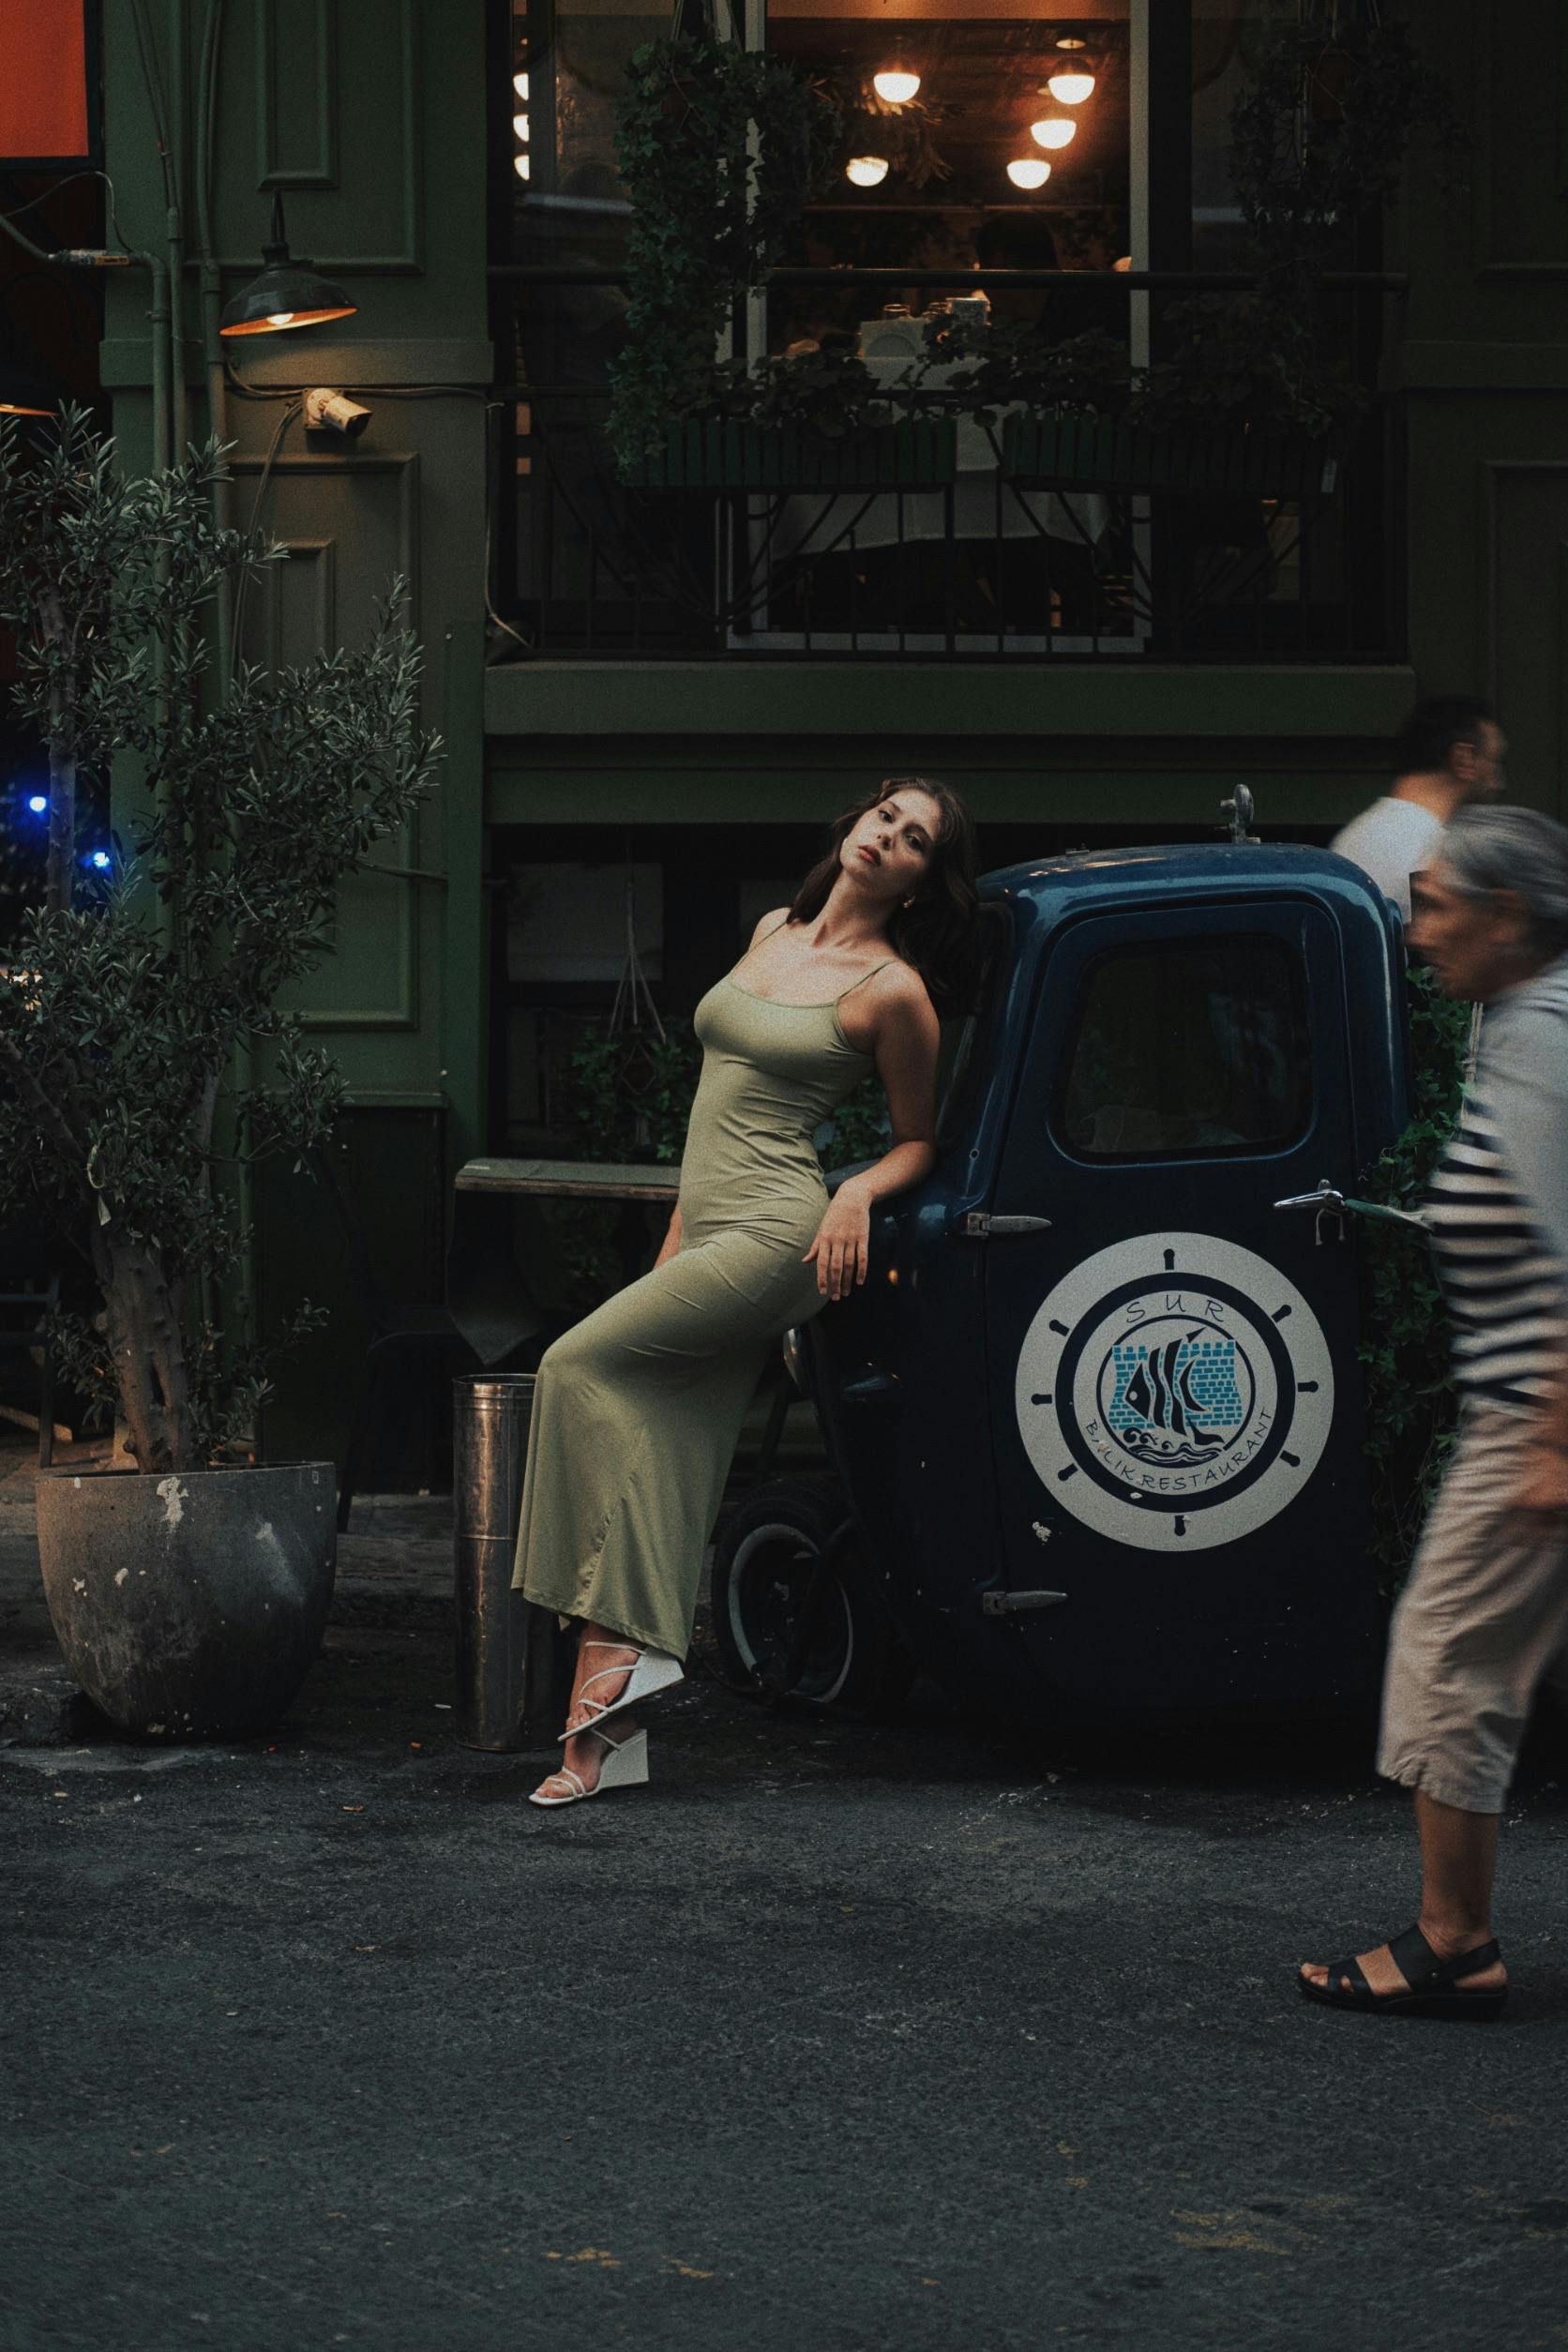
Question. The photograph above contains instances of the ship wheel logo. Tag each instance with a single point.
(1174, 1391)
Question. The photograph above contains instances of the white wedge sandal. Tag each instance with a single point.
(650, 1671)
(625, 1766)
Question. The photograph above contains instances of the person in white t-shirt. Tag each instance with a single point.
(1450, 751)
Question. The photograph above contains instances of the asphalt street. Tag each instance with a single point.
(843, 2036)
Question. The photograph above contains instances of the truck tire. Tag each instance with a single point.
(788, 1548)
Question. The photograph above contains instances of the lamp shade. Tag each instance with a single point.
(866, 170)
(286, 294)
(1029, 171)
(896, 85)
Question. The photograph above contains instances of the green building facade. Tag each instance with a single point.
(598, 724)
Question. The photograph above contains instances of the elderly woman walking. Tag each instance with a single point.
(1483, 1620)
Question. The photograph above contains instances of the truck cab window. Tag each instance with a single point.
(1189, 1049)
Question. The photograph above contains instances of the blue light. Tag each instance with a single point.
(100, 858)
(39, 802)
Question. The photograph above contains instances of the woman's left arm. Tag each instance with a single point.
(1526, 1078)
(905, 1044)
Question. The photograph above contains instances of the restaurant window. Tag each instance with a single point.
(986, 137)
(1014, 149)
(1194, 1049)
(1005, 145)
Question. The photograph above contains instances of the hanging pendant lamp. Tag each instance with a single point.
(1074, 79)
(895, 85)
(286, 294)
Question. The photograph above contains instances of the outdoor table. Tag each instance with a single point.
(493, 1301)
(572, 1180)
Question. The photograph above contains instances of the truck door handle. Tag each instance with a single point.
(1328, 1197)
(978, 1225)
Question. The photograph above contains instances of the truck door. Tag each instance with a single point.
(1176, 1401)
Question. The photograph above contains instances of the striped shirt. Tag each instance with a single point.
(1498, 1207)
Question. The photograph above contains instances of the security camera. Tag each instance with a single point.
(328, 411)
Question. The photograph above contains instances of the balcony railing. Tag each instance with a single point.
(956, 539)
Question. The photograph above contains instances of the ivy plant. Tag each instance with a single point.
(719, 148)
(1320, 132)
(128, 994)
(1319, 137)
(1410, 1407)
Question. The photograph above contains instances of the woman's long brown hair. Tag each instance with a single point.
(936, 933)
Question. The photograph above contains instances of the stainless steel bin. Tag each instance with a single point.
(511, 1657)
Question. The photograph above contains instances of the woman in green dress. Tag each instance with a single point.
(638, 1407)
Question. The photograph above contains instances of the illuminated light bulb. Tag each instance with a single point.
(1028, 171)
(279, 318)
(520, 125)
(1054, 130)
(520, 164)
(37, 803)
(520, 83)
(1071, 89)
(866, 170)
(100, 859)
(897, 86)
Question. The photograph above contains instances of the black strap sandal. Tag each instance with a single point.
(1434, 1990)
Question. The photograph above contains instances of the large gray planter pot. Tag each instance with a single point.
(191, 1607)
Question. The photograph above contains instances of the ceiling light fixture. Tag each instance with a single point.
(1029, 171)
(896, 85)
(1053, 130)
(866, 170)
(1070, 87)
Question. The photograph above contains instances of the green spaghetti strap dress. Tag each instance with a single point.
(638, 1407)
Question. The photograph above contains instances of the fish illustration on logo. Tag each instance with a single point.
(1176, 1404)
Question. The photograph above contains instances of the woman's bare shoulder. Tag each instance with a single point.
(898, 987)
(774, 919)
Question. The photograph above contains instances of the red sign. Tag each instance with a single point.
(43, 81)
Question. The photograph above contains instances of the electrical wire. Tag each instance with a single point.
(283, 423)
(53, 189)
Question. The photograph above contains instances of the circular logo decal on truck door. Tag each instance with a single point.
(1174, 1391)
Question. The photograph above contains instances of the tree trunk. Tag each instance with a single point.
(60, 873)
(148, 1345)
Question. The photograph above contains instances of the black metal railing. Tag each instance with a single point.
(957, 537)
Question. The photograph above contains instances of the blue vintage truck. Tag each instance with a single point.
(1096, 1417)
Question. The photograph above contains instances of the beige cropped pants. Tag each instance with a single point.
(1482, 1623)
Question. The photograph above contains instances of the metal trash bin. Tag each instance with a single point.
(511, 1656)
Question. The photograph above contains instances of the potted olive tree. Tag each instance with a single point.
(189, 1592)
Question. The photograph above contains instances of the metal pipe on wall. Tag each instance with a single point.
(211, 299)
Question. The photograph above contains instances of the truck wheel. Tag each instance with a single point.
(795, 1615)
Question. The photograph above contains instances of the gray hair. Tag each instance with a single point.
(1518, 850)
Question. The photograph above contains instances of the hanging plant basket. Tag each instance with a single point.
(727, 454)
(1108, 453)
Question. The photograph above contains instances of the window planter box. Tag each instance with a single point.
(1105, 453)
(916, 453)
